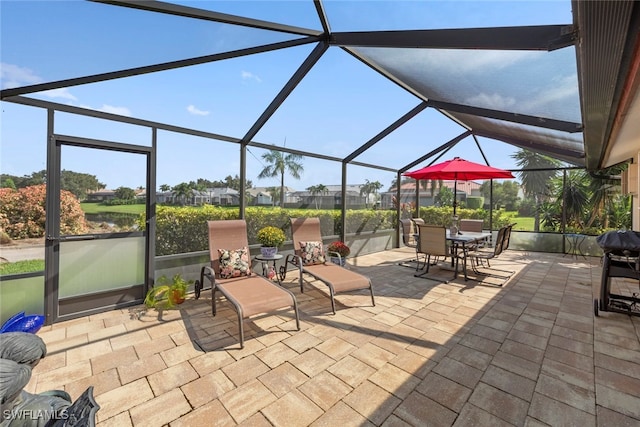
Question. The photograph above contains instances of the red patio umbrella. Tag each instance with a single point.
(458, 169)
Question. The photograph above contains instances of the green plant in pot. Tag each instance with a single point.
(166, 294)
(271, 238)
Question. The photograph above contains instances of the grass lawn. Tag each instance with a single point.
(523, 223)
(95, 208)
(17, 267)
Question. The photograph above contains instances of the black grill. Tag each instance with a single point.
(621, 259)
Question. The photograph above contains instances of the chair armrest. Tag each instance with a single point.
(209, 274)
(293, 259)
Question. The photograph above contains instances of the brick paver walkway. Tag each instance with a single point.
(429, 353)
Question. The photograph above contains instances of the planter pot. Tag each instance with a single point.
(340, 261)
(268, 251)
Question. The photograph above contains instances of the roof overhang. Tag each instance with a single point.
(608, 54)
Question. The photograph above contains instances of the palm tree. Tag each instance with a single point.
(280, 163)
(574, 195)
(435, 184)
(315, 190)
(183, 192)
(536, 183)
(603, 184)
(165, 187)
(369, 188)
(275, 194)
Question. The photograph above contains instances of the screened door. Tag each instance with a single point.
(97, 255)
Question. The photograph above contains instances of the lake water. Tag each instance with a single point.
(122, 221)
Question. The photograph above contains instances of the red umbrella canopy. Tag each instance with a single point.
(459, 169)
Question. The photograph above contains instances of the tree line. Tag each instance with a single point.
(78, 184)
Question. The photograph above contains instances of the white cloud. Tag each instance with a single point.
(15, 76)
(60, 93)
(564, 89)
(494, 102)
(451, 62)
(489, 60)
(122, 111)
(247, 75)
(193, 110)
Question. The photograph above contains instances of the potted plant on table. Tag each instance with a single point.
(271, 239)
(338, 252)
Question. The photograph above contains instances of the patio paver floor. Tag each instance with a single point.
(429, 353)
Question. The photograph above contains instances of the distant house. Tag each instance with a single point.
(104, 195)
(260, 196)
(331, 199)
(101, 195)
(217, 196)
(213, 196)
(408, 193)
(164, 197)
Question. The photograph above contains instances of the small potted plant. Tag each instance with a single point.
(271, 239)
(338, 252)
(167, 293)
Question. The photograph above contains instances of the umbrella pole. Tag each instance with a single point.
(455, 195)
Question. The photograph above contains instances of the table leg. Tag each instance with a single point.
(579, 241)
(275, 274)
(265, 270)
(464, 266)
(574, 242)
(455, 259)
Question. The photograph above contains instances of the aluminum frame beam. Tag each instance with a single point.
(23, 90)
(542, 37)
(542, 122)
(208, 15)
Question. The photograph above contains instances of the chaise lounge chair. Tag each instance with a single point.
(230, 273)
(309, 258)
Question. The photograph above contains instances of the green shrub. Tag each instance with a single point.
(184, 229)
(475, 202)
(443, 216)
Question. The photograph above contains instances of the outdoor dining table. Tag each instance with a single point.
(463, 241)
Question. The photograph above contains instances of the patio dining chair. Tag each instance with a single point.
(474, 225)
(507, 237)
(310, 258)
(410, 239)
(481, 256)
(230, 273)
(432, 242)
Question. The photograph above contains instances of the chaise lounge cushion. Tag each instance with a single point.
(234, 263)
(339, 277)
(312, 253)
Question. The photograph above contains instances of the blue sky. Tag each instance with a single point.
(339, 105)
